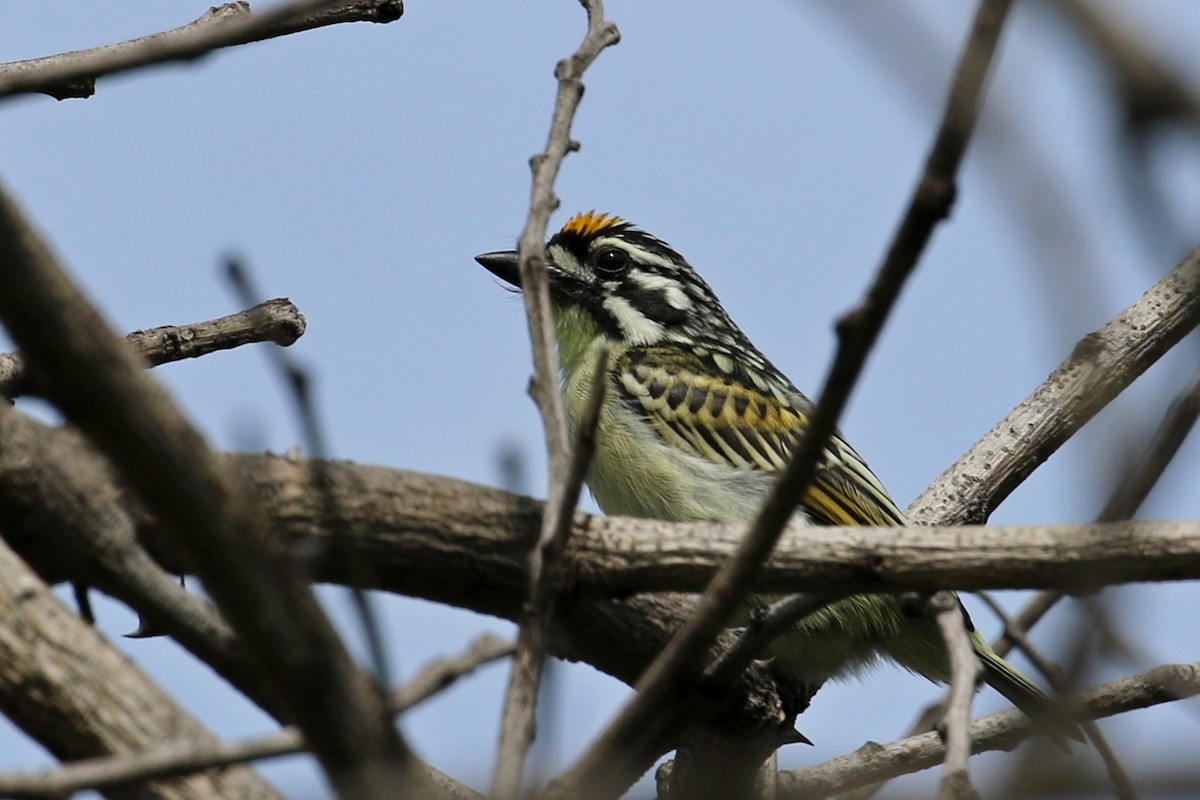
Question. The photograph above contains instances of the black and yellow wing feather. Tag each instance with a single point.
(710, 406)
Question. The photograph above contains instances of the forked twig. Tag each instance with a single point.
(520, 701)
(964, 669)
(74, 74)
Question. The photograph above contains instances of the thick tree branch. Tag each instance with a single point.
(465, 545)
(68, 688)
(275, 321)
(1078, 558)
(420, 531)
(74, 74)
(96, 380)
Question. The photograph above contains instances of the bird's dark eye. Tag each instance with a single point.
(611, 262)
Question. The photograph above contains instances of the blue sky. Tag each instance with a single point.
(358, 169)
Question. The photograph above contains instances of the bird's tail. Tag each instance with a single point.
(1024, 694)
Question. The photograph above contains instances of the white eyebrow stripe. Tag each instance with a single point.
(643, 256)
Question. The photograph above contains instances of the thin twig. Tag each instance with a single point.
(1014, 635)
(764, 627)
(964, 669)
(1118, 776)
(520, 701)
(536, 619)
(1102, 365)
(74, 74)
(299, 383)
(441, 674)
(185, 757)
(621, 752)
(1152, 96)
(1003, 730)
(275, 321)
(1135, 486)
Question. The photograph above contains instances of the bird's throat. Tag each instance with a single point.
(577, 333)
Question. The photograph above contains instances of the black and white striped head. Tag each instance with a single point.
(635, 287)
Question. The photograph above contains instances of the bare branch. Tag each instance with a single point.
(520, 702)
(1127, 497)
(1140, 477)
(421, 531)
(275, 321)
(439, 675)
(74, 74)
(1121, 784)
(1012, 635)
(298, 383)
(620, 555)
(464, 544)
(175, 758)
(1001, 731)
(1101, 366)
(95, 379)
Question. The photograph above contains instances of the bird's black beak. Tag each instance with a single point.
(503, 264)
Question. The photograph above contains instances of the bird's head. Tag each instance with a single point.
(631, 286)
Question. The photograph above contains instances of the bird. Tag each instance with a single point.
(696, 424)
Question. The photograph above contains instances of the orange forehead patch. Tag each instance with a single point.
(590, 223)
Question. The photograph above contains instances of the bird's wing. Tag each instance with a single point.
(749, 423)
